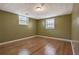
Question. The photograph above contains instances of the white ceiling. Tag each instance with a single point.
(49, 10)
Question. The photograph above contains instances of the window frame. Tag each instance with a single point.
(54, 25)
(26, 20)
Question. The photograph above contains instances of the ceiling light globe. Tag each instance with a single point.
(39, 9)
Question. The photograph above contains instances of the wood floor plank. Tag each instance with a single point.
(37, 46)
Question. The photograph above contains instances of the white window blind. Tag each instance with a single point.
(23, 20)
(50, 23)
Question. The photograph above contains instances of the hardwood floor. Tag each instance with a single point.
(37, 46)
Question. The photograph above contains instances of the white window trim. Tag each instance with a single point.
(52, 25)
(26, 20)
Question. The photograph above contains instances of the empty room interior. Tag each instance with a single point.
(39, 28)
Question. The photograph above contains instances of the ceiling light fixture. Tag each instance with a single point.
(39, 8)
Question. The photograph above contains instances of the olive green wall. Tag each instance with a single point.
(0, 27)
(62, 27)
(75, 27)
(11, 30)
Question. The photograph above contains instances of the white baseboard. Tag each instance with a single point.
(62, 39)
(54, 38)
(72, 44)
(33, 37)
(17, 40)
(67, 40)
(72, 48)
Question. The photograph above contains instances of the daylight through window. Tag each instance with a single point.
(23, 20)
(50, 23)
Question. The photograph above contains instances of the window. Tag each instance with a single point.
(50, 23)
(23, 20)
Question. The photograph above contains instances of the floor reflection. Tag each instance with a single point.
(37, 46)
(23, 52)
(49, 50)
